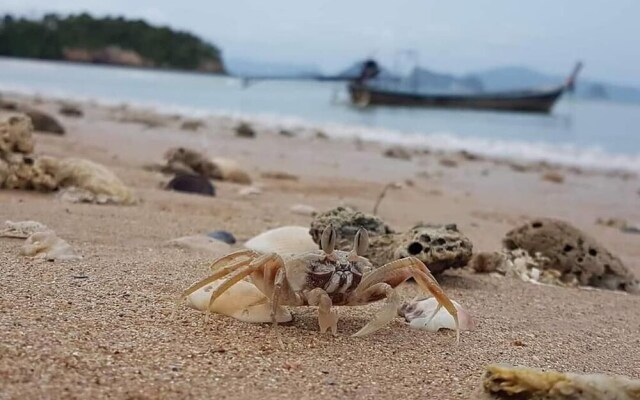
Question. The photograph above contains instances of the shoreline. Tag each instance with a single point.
(514, 153)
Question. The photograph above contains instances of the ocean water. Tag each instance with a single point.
(584, 133)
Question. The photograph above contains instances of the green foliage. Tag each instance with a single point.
(47, 38)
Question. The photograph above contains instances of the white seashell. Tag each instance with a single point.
(48, 246)
(242, 301)
(22, 229)
(283, 240)
(417, 313)
(201, 243)
(303, 209)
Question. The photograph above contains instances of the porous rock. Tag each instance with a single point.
(440, 247)
(71, 110)
(183, 160)
(43, 122)
(16, 135)
(244, 130)
(573, 253)
(397, 152)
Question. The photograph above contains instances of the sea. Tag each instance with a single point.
(585, 133)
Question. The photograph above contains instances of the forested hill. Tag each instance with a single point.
(119, 41)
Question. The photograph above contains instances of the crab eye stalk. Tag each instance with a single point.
(361, 242)
(328, 240)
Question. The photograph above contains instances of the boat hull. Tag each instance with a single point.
(541, 101)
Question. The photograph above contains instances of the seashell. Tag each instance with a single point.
(250, 191)
(506, 382)
(192, 184)
(22, 229)
(283, 240)
(201, 243)
(47, 245)
(303, 209)
(231, 171)
(242, 301)
(223, 236)
(419, 315)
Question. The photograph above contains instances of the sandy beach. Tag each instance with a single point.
(102, 327)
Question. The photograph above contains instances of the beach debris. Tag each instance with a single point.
(40, 120)
(250, 191)
(150, 119)
(325, 277)
(519, 264)
(245, 130)
(303, 209)
(620, 224)
(48, 246)
(286, 133)
(20, 169)
(70, 110)
(573, 253)
(242, 301)
(553, 176)
(22, 229)
(322, 135)
(468, 156)
(192, 125)
(282, 240)
(502, 382)
(223, 236)
(448, 162)
(200, 244)
(283, 176)
(397, 152)
(383, 193)
(180, 160)
(440, 247)
(197, 184)
(231, 171)
(428, 314)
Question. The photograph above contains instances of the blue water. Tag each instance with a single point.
(577, 132)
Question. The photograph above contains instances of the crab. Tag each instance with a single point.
(325, 278)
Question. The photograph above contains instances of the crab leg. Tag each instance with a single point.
(396, 272)
(222, 261)
(326, 318)
(386, 314)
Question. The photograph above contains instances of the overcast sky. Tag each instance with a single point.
(448, 35)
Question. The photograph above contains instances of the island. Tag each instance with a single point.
(108, 40)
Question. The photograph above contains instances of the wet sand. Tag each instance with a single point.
(112, 334)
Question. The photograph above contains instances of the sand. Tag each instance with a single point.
(103, 327)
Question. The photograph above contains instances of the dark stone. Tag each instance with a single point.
(192, 184)
(223, 236)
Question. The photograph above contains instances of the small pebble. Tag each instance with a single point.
(223, 236)
(192, 184)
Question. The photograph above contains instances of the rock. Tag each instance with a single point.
(223, 236)
(231, 171)
(201, 244)
(22, 229)
(573, 253)
(447, 162)
(97, 183)
(47, 245)
(70, 110)
(303, 209)
(286, 133)
(321, 135)
(553, 176)
(440, 247)
(244, 130)
(285, 176)
(397, 152)
(149, 119)
(519, 264)
(16, 135)
(43, 122)
(192, 184)
(181, 160)
(250, 191)
(346, 222)
(192, 125)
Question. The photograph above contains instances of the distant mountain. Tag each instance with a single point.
(517, 77)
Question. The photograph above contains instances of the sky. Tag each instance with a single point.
(448, 35)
